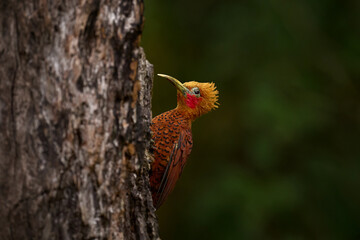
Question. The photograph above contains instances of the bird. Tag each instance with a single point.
(171, 134)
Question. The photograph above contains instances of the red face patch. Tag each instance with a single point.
(192, 101)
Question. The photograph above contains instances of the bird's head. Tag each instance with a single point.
(194, 98)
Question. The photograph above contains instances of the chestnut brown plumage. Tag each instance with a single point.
(171, 134)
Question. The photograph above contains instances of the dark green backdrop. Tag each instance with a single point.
(280, 158)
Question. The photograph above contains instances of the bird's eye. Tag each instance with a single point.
(196, 91)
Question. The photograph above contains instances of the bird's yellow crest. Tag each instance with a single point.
(195, 98)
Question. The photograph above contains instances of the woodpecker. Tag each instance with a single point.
(172, 137)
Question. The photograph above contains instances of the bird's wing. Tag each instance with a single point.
(180, 152)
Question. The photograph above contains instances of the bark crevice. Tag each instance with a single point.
(13, 85)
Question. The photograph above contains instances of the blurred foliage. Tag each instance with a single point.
(280, 158)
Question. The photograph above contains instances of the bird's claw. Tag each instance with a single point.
(152, 146)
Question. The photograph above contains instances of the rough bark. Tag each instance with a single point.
(75, 93)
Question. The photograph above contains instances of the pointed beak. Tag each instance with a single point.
(176, 83)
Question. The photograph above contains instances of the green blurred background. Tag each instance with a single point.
(280, 158)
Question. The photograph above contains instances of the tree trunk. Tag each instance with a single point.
(75, 94)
